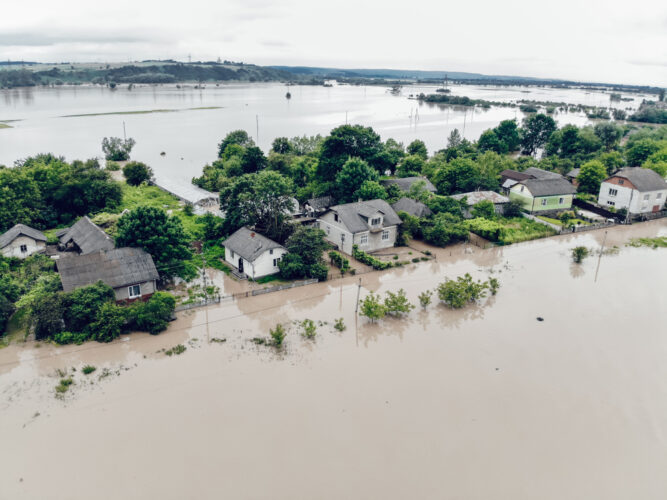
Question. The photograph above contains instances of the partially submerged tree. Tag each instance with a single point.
(117, 149)
(136, 172)
(397, 304)
(579, 254)
(372, 307)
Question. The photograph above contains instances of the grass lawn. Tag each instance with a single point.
(575, 222)
(518, 229)
(4, 125)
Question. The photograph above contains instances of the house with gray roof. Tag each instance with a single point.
(406, 183)
(316, 206)
(84, 237)
(638, 190)
(22, 241)
(546, 195)
(412, 207)
(509, 178)
(130, 272)
(371, 225)
(253, 254)
(474, 197)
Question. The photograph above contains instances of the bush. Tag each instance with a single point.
(488, 229)
(513, 208)
(6, 310)
(47, 316)
(110, 321)
(136, 172)
(425, 298)
(457, 293)
(154, 315)
(81, 306)
(63, 338)
(117, 149)
(309, 328)
(112, 166)
(369, 260)
(579, 254)
(339, 324)
(278, 335)
(485, 209)
(372, 308)
(339, 261)
(397, 304)
(88, 369)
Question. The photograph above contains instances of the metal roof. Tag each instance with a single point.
(355, 215)
(249, 244)
(548, 187)
(644, 179)
(20, 230)
(87, 236)
(117, 268)
(475, 197)
(405, 183)
(412, 207)
(185, 191)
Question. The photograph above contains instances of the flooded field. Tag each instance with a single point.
(187, 124)
(487, 402)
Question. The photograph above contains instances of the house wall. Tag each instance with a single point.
(261, 266)
(14, 248)
(531, 204)
(375, 241)
(148, 288)
(334, 230)
(630, 198)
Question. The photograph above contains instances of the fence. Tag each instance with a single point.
(277, 288)
(200, 303)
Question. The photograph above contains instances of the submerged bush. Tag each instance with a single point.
(579, 254)
(278, 335)
(463, 290)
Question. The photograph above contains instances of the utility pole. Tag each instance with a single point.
(124, 135)
(257, 123)
(203, 256)
(356, 309)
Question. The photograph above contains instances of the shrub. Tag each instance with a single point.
(64, 384)
(579, 254)
(309, 328)
(152, 316)
(112, 166)
(369, 260)
(177, 349)
(457, 293)
(278, 335)
(63, 338)
(425, 298)
(339, 324)
(372, 308)
(110, 320)
(339, 261)
(488, 229)
(88, 369)
(513, 208)
(494, 285)
(397, 304)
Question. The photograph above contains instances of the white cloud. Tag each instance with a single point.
(573, 39)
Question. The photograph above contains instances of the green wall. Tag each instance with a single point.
(536, 205)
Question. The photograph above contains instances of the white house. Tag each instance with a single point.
(639, 190)
(253, 254)
(372, 225)
(22, 241)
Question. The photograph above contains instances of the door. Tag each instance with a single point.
(656, 208)
(240, 264)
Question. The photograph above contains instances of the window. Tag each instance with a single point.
(24, 248)
(134, 291)
(561, 201)
(364, 239)
(271, 252)
(611, 203)
(613, 192)
(544, 201)
(328, 229)
(522, 189)
(375, 221)
(385, 235)
(336, 217)
(658, 196)
(621, 181)
(232, 254)
(646, 197)
(275, 262)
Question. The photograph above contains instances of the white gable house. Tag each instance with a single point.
(22, 241)
(372, 225)
(253, 254)
(638, 190)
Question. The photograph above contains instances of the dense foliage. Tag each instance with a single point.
(304, 260)
(136, 172)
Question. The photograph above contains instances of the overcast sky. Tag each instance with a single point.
(609, 41)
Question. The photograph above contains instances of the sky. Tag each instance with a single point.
(603, 41)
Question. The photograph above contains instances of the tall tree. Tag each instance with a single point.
(536, 132)
(351, 177)
(590, 176)
(238, 137)
(345, 142)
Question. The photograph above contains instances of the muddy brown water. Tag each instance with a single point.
(481, 403)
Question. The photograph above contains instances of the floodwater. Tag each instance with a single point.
(481, 403)
(189, 133)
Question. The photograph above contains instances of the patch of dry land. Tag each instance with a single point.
(486, 402)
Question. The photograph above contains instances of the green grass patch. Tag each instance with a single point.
(176, 350)
(88, 369)
(517, 229)
(558, 222)
(4, 125)
(657, 242)
(141, 112)
(268, 279)
(214, 255)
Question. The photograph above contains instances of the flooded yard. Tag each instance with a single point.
(484, 402)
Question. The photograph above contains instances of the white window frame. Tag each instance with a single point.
(130, 293)
(363, 239)
(613, 192)
(385, 235)
(376, 221)
(544, 202)
(275, 261)
(611, 203)
(647, 197)
(658, 196)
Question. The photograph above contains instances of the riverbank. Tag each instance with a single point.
(399, 409)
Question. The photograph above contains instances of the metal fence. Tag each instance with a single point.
(200, 303)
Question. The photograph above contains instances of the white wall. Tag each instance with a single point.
(261, 266)
(147, 288)
(333, 231)
(14, 248)
(630, 198)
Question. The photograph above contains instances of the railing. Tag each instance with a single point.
(200, 303)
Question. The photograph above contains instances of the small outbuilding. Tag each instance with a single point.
(474, 197)
(84, 237)
(22, 241)
(130, 272)
(411, 207)
(252, 254)
(406, 183)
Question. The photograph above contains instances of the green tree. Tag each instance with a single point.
(579, 254)
(485, 209)
(508, 134)
(537, 129)
(253, 160)
(158, 234)
(457, 293)
(47, 316)
(81, 306)
(425, 298)
(410, 166)
(278, 335)
(117, 149)
(463, 175)
(109, 322)
(640, 150)
(304, 258)
(136, 172)
(418, 148)
(237, 137)
(397, 304)
(609, 134)
(513, 208)
(489, 141)
(658, 162)
(371, 190)
(281, 145)
(352, 176)
(343, 143)
(590, 176)
(6, 310)
(212, 226)
(372, 307)
(443, 229)
(154, 315)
